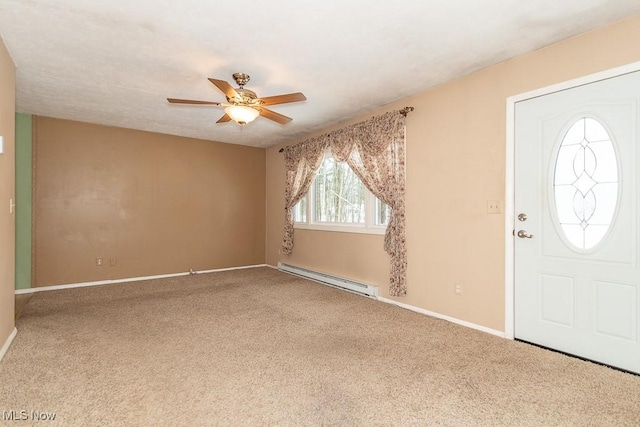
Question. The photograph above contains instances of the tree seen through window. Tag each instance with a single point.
(340, 197)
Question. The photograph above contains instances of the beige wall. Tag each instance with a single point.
(7, 184)
(156, 203)
(455, 164)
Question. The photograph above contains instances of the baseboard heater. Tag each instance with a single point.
(331, 280)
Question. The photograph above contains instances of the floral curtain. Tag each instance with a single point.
(374, 149)
(302, 162)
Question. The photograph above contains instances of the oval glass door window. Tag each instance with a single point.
(585, 183)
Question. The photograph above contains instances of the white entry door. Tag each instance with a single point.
(577, 266)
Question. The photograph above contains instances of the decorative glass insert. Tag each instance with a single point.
(585, 183)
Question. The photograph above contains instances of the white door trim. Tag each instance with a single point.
(509, 199)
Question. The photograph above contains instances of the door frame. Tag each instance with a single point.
(509, 199)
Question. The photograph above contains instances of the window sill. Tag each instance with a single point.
(380, 230)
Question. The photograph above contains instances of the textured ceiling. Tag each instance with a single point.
(115, 62)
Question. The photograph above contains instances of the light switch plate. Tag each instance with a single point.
(1, 144)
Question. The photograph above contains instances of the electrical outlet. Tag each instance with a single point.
(98, 262)
(458, 289)
(113, 261)
(493, 206)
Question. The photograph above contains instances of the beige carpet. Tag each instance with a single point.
(260, 347)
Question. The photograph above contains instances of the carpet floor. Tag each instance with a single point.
(260, 347)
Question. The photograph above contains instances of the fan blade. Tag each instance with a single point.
(191, 101)
(272, 115)
(224, 118)
(226, 88)
(283, 99)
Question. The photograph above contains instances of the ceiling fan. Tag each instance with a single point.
(243, 105)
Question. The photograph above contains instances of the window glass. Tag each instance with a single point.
(383, 213)
(300, 210)
(339, 194)
(339, 201)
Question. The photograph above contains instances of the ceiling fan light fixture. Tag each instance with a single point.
(243, 105)
(242, 114)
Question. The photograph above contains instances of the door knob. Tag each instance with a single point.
(524, 235)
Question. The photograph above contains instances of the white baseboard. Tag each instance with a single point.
(161, 276)
(243, 267)
(131, 279)
(7, 343)
(444, 317)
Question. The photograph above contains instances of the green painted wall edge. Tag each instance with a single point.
(23, 199)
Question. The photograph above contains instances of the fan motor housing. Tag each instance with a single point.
(245, 96)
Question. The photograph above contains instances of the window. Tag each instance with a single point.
(339, 201)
